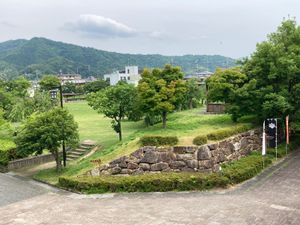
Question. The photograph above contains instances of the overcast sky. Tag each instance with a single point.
(170, 27)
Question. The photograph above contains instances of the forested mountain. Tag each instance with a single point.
(40, 56)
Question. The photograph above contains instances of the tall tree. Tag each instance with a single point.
(270, 83)
(95, 86)
(160, 90)
(115, 102)
(47, 131)
(49, 82)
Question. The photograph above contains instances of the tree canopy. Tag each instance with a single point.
(47, 131)
(115, 102)
(268, 83)
(160, 91)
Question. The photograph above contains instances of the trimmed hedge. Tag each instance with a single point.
(145, 183)
(200, 140)
(158, 140)
(245, 168)
(232, 173)
(228, 132)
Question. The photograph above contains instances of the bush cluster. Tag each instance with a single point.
(158, 140)
(144, 183)
(227, 132)
(200, 140)
(245, 168)
(6, 147)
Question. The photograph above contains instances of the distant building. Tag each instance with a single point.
(200, 76)
(74, 79)
(131, 75)
(33, 88)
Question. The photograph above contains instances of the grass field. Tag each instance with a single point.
(185, 124)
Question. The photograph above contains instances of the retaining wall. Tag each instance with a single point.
(207, 157)
(30, 161)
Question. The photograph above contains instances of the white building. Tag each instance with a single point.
(130, 75)
(74, 79)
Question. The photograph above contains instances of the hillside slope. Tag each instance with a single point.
(41, 55)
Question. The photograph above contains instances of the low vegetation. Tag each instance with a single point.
(6, 149)
(227, 132)
(231, 173)
(158, 140)
(200, 140)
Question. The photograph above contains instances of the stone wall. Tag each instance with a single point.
(183, 158)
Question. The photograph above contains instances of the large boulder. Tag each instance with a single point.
(192, 164)
(166, 156)
(138, 153)
(150, 157)
(185, 157)
(177, 164)
(205, 164)
(159, 166)
(116, 170)
(132, 166)
(203, 153)
(144, 166)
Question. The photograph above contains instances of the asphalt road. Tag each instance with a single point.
(271, 198)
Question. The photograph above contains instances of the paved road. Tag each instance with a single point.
(272, 198)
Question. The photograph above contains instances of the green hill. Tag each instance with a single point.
(43, 56)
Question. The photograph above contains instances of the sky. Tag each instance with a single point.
(169, 27)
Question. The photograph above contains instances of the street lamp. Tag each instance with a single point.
(53, 95)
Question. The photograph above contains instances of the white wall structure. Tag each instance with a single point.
(130, 75)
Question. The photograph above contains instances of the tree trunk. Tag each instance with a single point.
(120, 131)
(55, 154)
(164, 119)
(191, 104)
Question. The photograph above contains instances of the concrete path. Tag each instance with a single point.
(271, 198)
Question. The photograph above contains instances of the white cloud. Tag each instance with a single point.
(8, 24)
(99, 26)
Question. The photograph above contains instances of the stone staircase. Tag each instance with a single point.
(80, 151)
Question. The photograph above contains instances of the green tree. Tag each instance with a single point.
(270, 78)
(49, 82)
(160, 91)
(47, 131)
(69, 88)
(115, 102)
(194, 93)
(95, 86)
(19, 87)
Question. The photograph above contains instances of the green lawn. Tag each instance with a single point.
(96, 127)
(186, 125)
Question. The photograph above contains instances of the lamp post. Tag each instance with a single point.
(53, 95)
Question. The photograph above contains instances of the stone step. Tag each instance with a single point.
(85, 146)
(75, 153)
(79, 150)
(71, 156)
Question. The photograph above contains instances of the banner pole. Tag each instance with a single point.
(263, 152)
(276, 139)
(286, 134)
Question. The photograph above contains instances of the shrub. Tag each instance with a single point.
(200, 140)
(144, 183)
(227, 132)
(6, 147)
(245, 168)
(158, 140)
